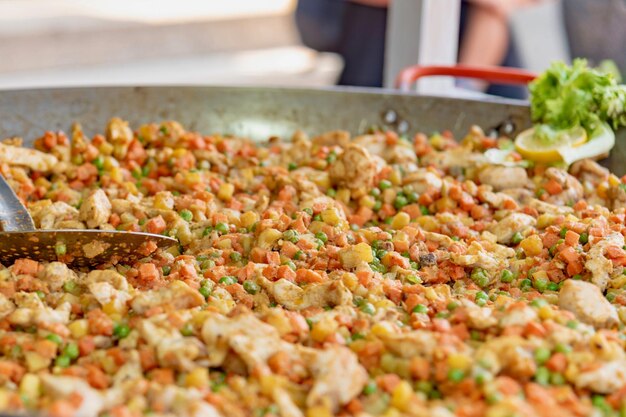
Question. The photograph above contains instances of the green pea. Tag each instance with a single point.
(235, 256)
(187, 330)
(368, 308)
(507, 276)
(553, 286)
(562, 232)
(377, 205)
(62, 361)
(542, 355)
(298, 255)
(205, 291)
(420, 308)
(542, 375)
(413, 279)
(70, 287)
(251, 287)
(517, 238)
(222, 227)
(53, 337)
(584, 238)
(308, 211)
(291, 235)
(400, 201)
(121, 330)
(71, 350)
(384, 184)
(456, 375)
(292, 166)
(541, 284)
(331, 192)
(60, 249)
(322, 236)
(228, 280)
(370, 388)
(480, 277)
(424, 210)
(186, 215)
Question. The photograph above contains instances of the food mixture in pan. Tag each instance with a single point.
(328, 275)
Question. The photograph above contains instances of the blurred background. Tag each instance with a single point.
(296, 43)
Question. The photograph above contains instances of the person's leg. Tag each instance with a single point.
(362, 45)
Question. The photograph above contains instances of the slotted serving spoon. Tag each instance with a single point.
(20, 239)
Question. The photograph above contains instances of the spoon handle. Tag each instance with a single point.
(13, 215)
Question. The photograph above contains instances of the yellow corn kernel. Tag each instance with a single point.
(400, 220)
(545, 220)
(198, 378)
(428, 223)
(358, 345)
(322, 181)
(353, 256)
(392, 412)
(248, 218)
(621, 313)
(384, 303)
(367, 201)
(247, 174)
(79, 328)
(459, 361)
(163, 200)
(546, 312)
(268, 237)
(115, 310)
(382, 328)
(395, 177)
(343, 195)
(30, 386)
(350, 281)
(137, 404)
(131, 188)
(401, 395)
(35, 362)
(323, 328)
(116, 175)
(226, 191)
(270, 382)
(178, 152)
(192, 178)
(532, 245)
(108, 364)
(618, 282)
(106, 149)
(4, 399)
(614, 181)
(277, 319)
(318, 411)
(430, 294)
(224, 244)
(601, 189)
(540, 275)
(330, 216)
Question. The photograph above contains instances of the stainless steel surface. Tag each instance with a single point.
(20, 239)
(82, 247)
(254, 112)
(13, 214)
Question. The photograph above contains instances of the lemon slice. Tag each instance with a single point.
(533, 148)
(600, 143)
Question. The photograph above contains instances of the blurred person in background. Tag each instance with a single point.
(356, 31)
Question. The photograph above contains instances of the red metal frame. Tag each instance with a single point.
(501, 75)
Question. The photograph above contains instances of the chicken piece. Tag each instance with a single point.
(55, 274)
(545, 207)
(502, 178)
(572, 189)
(96, 209)
(300, 148)
(586, 301)
(400, 153)
(106, 293)
(354, 169)
(443, 240)
(479, 317)
(120, 135)
(178, 294)
(520, 316)
(31, 310)
(172, 349)
(496, 200)
(511, 224)
(589, 171)
(92, 402)
(511, 355)
(606, 379)
(31, 158)
(600, 267)
(293, 297)
(479, 256)
(521, 195)
(6, 306)
(332, 138)
(49, 217)
(422, 180)
(339, 377)
(459, 157)
(415, 343)
(117, 280)
(616, 197)
(254, 340)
